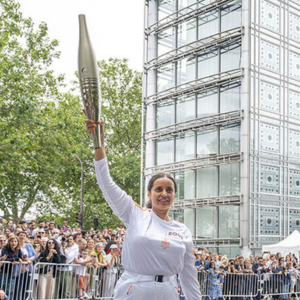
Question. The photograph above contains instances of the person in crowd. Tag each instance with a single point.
(214, 286)
(41, 225)
(239, 265)
(202, 264)
(286, 280)
(46, 283)
(37, 249)
(293, 276)
(98, 252)
(10, 224)
(28, 257)
(2, 243)
(8, 232)
(12, 253)
(215, 259)
(113, 262)
(80, 274)
(90, 245)
(63, 284)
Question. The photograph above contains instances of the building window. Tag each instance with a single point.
(165, 113)
(229, 139)
(230, 179)
(165, 8)
(208, 24)
(165, 77)
(206, 222)
(185, 109)
(185, 146)
(207, 182)
(208, 64)
(207, 143)
(186, 70)
(207, 103)
(187, 32)
(165, 151)
(165, 41)
(186, 185)
(231, 57)
(230, 98)
(229, 221)
(231, 16)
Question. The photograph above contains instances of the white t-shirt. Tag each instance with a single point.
(81, 270)
(152, 246)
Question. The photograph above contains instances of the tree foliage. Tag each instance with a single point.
(41, 128)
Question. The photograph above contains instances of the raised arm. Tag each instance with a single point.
(121, 204)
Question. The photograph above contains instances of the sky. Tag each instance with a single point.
(115, 27)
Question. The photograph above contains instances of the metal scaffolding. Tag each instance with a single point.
(230, 118)
(210, 42)
(210, 201)
(184, 14)
(201, 162)
(195, 86)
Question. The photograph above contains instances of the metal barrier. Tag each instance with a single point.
(15, 279)
(232, 285)
(279, 285)
(69, 281)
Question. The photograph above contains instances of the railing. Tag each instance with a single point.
(70, 281)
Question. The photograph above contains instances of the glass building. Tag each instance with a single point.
(222, 114)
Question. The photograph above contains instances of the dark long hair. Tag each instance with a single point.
(151, 183)
(56, 247)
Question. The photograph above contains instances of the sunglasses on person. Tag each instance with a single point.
(49, 243)
(41, 232)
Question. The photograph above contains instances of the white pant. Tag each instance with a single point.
(134, 287)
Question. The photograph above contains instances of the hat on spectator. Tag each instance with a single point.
(113, 246)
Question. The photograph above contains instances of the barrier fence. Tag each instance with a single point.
(71, 281)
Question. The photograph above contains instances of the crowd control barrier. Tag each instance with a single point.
(68, 281)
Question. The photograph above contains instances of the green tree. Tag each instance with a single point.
(41, 128)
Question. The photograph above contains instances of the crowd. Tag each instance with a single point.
(56, 248)
(269, 274)
(44, 242)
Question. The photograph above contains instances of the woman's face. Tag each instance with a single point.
(99, 248)
(37, 247)
(7, 232)
(162, 194)
(13, 243)
(50, 244)
(10, 223)
(91, 244)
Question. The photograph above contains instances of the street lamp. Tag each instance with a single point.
(81, 191)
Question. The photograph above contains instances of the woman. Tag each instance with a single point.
(28, 256)
(7, 232)
(10, 270)
(214, 287)
(90, 246)
(157, 247)
(37, 249)
(46, 259)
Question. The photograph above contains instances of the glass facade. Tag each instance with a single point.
(208, 116)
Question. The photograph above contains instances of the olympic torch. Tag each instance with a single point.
(89, 79)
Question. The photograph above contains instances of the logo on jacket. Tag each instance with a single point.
(165, 243)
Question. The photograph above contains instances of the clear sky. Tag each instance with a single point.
(115, 27)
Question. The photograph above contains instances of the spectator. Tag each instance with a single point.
(286, 279)
(12, 253)
(41, 225)
(28, 256)
(2, 243)
(202, 264)
(113, 262)
(37, 249)
(90, 245)
(46, 284)
(7, 232)
(214, 286)
(81, 275)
